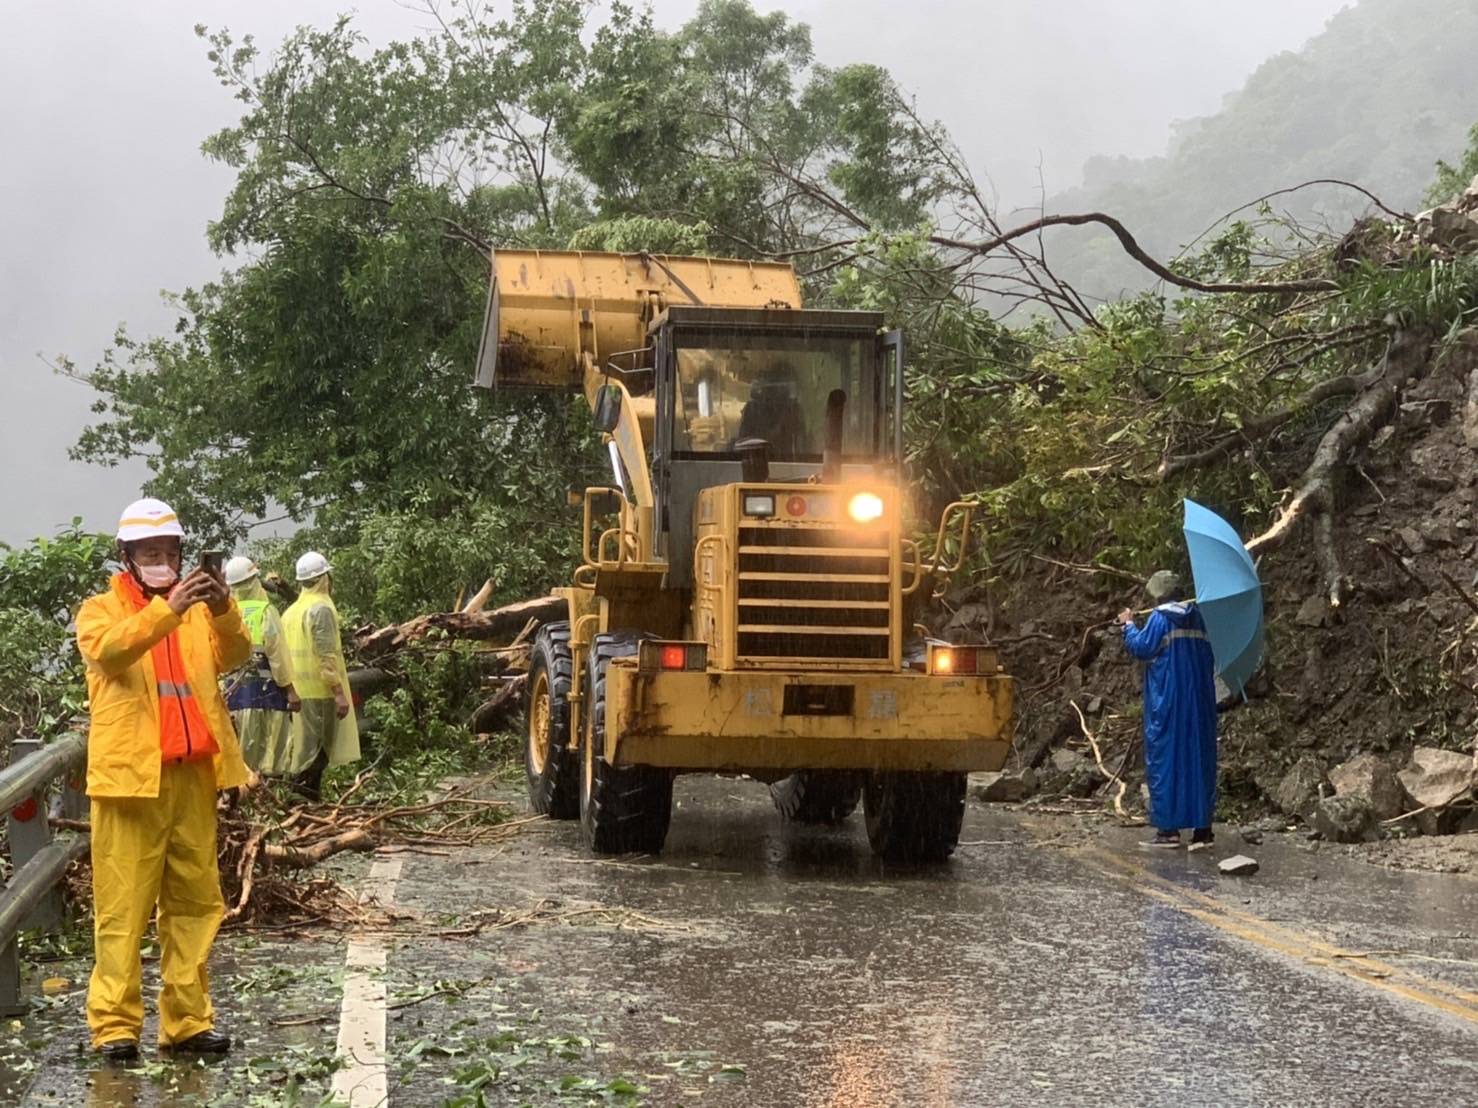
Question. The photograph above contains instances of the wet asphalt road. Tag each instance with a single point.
(1052, 962)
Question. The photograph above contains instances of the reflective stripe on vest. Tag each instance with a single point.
(1180, 635)
(184, 734)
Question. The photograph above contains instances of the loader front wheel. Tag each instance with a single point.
(817, 796)
(551, 763)
(914, 817)
(623, 809)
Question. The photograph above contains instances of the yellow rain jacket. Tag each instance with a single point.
(115, 641)
(154, 821)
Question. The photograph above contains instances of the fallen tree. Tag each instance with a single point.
(1407, 358)
(505, 623)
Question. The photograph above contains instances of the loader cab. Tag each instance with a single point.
(729, 382)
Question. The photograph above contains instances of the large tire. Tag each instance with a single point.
(817, 795)
(914, 817)
(550, 761)
(623, 809)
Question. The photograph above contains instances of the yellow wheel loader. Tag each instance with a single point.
(746, 602)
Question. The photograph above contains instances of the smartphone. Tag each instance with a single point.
(213, 562)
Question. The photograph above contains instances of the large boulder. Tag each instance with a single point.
(1435, 778)
(1448, 228)
(1373, 780)
(1299, 789)
(1345, 819)
(1079, 776)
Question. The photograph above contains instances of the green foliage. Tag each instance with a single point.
(1451, 180)
(428, 709)
(328, 373)
(41, 586)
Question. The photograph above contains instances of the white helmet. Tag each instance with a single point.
(240, 569)
(312, 566)
(148, 519)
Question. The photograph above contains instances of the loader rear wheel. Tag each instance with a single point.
(551, 762)
(623, 809)
(914, 817)
(817, 796)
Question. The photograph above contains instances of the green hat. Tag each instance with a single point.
(1164, 586)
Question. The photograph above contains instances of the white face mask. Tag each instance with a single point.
(157, 577)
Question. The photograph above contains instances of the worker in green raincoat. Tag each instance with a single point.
(325, 732)
(260, 695)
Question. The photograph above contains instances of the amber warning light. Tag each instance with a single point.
(963, 661)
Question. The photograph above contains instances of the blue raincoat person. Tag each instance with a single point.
(1179, 713)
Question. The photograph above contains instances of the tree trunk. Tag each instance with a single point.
(499, 624)
(1406, 359)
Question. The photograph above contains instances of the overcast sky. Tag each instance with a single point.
(104, 195)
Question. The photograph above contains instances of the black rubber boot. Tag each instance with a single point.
(120, 1051)
(207, 1042)
(309, 783)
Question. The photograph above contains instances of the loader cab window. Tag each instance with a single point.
(741, 384)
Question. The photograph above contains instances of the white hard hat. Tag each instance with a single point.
(312, 566)
(239, 569)
(148, 519)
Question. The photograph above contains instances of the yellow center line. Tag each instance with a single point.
(1301, 945)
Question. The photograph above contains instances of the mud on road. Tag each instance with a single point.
(754, 963)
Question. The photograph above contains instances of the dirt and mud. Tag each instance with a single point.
(1395, 666)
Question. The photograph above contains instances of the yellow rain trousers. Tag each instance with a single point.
(148, 850)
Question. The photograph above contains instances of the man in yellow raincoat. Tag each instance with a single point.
(325, 732)
(159, 746)
(261, 695)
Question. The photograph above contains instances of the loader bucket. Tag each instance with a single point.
(547, 307)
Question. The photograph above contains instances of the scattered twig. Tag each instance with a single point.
(1463, 594)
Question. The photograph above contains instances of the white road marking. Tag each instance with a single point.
(363, 1083)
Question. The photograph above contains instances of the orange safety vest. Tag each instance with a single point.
(184, 736)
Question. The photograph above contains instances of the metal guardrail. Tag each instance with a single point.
(32, 898)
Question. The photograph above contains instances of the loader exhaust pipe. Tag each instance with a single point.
(754, 458)
(831, 457)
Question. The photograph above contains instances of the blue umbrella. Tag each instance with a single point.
(1228, 593)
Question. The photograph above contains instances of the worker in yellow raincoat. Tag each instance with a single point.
(261, 694)
(159, 746)
(325, 732)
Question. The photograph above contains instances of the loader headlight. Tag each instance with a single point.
(761, 506)
(865, 507)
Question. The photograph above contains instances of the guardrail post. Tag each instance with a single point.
(29, 831)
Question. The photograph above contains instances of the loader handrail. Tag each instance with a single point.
(937, 567)
(597, 557)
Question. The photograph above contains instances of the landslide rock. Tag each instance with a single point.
(1004, 788)
(1371, 779)
(1435, 778)
(1345, 819)
(1298, 791)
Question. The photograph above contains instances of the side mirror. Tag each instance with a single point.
(607, 408)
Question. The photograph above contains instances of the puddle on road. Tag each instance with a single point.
(253, 984)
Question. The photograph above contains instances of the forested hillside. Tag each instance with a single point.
(1375, 99)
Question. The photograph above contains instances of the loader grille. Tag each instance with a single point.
(813, 593)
